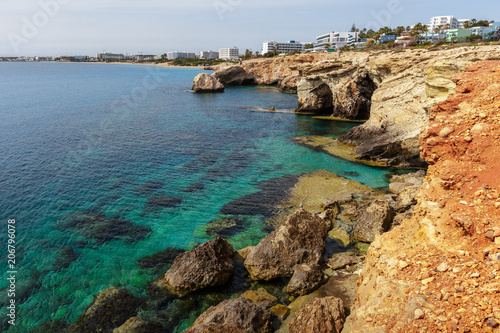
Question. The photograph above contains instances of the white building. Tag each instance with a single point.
(445, 22)
(484, 32)
(142, 57)
(337, 40)
(180, 55)
(229, 54)
(110, 56)
(461, 23)
(291, 46)
(209, 55)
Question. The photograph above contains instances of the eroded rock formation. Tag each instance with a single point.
(340, 89)
(438, 270)
(207, 83)
(394, 90)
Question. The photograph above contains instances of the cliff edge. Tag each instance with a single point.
(392, 90)
(439, 270)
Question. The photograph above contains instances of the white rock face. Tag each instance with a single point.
(207, 83)
(395, 89)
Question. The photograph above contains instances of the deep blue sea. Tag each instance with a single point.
(130, 146)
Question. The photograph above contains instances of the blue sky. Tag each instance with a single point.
(71, 27)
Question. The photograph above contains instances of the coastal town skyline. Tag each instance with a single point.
(56, 27)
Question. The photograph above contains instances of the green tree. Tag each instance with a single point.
(386, 30)
(353, 28)
(327, 46)
(248, 54)
(419, 28)
(366, 33)
(309, 46)
(399, 30)
(483, 23)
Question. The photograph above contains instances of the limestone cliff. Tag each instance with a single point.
(269, 71)
(439, 270)
(394, 90)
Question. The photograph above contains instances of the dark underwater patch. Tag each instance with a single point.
(66, 256)
(272, 192)
(194, 187)
(149, 187)
(161, 201)
(226, 227)
(351, 174)
(160, 260)
(102, 229)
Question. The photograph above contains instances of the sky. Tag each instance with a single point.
(86, 27)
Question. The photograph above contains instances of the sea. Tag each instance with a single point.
(104, 164)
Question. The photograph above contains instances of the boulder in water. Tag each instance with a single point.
(204, 83)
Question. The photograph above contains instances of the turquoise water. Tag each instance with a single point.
(131, 143)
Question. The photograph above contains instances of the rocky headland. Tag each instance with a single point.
(393, 91)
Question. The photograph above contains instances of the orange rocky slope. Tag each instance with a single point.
(440, 270)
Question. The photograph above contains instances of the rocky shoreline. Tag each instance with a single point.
(422, 255)
(315, 252)
(393, 91)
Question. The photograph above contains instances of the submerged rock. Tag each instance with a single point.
(138, 325)
(160, 259)
(234, 315)
(305, 279)
(263, 203)
(298, 239)
(323, 315)
(203, 83)
(149, 187)
(226, 226)
(373, 221)
(109, 309)
(104, 229)
(194, 187)
(161, 201)
(66, 256)
(208, 265)
(164, 201)
(55, 326)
